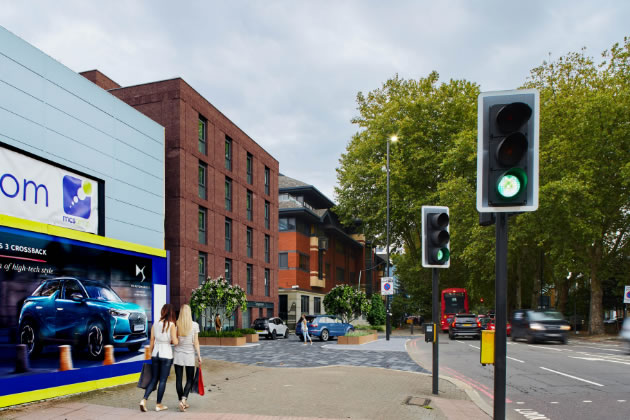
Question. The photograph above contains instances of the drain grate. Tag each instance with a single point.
(419, 401)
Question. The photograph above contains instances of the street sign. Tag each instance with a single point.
(387, 286)
(626, 295)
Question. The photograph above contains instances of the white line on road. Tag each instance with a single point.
(587, 401)
(598, 348)
(511, 358)
(570, 376)
(554, 402)
(621, 400)
(601, 359)
(474, 347)
(544, 347)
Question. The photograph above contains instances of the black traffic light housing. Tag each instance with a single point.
(507, 153)
(435, 237)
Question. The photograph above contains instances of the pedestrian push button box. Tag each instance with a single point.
(429, 332)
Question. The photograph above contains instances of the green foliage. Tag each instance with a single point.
(359, 333)
(376, 315)
(220, 334)
(346, 302)
(218, 296)
(247, 331)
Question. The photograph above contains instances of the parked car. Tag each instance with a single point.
(324, 327)
(539, 325)
(84, 313)
(624, 334)
(271, 328)
(465, 325)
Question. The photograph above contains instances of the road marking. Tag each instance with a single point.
(570, 376)
(587, 401)
(605, 358)
(599, 348)
(554, 402)
(511, 358)
(520, 402)
(474, 347)
(621, 400)
(459, 341)
(531, 414)
(543, 347)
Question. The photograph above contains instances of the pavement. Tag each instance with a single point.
(378, 380)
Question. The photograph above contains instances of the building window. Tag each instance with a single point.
(203, 189)
(228, 153)
(286, 224)
(317, 305)
(228, 270)
(250, 201)
(267, 180)
(269, 312)
(228, 194)
(304, 262)
(340, 275)
(250, 168)
(246, 319)
(283, 260)
(320, 264)
(250, 279)
(202, 128)
(267, 214)
(266, 282)
(203, 258)
(267, 248)
(304, 301)
(203, 214)
(250, 242)
(228, 234)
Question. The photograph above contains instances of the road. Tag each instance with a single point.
(581, 380)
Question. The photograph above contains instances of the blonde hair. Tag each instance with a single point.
(184, 322)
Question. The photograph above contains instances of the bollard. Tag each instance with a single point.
(21, 359)
(109, 355)
(65, 358)
(147, 352)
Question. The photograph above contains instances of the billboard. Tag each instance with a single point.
(35, 190)
(55, 290)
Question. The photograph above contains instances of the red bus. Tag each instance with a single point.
(454, 301)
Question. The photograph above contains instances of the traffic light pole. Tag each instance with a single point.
(500, 338)
(436, 325)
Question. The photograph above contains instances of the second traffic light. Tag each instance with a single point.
(436, 237)
(507, 153)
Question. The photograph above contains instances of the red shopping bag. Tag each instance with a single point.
(201, 390)
(197, 386)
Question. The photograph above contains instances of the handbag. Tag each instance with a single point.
(197, 386)
(145, 376)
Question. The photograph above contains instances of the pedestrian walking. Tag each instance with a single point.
(184, 357)
(217, 323)
(305, 329)
(163, 334)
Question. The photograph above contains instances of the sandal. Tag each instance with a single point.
(182, 406)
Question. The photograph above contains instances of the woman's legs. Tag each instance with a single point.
(155, 373)
(165, 370)
(179, 373)
(190, 375)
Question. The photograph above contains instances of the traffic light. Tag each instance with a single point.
(507, 151)
(436, 251)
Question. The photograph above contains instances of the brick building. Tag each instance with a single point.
(221, 195)
(316, 253)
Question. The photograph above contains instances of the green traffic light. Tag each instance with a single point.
(443, 255)
(511, 183)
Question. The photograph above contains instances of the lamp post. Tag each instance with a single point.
(389, 302)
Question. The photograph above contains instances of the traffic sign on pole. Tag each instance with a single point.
(626, 295)
(387, 286)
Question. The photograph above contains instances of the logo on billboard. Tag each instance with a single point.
(77, 197)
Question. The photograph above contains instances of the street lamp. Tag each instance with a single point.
(393, 138)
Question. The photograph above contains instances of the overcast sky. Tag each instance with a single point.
(287, 72)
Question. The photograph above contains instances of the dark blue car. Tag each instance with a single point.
(84, 313)
(324, 327)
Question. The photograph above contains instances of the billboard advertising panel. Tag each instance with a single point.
(35, 190)
(55, 291)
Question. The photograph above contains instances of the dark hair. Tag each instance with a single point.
(168, 315)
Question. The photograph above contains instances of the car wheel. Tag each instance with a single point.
(96, 341)
(274, 335)
(565, 340)
(530, 339)
(29, 336)
(324, 335)
(135, 347)
(286, 333)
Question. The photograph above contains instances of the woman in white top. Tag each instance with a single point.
(185, 350)
(162, 335)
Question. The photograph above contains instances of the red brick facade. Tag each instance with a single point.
(178, 107)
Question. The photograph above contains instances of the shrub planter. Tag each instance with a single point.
(210, 341)
(362, 339)
(233, 341)
(251, 338)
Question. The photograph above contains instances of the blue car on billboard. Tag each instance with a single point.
(84, 313)
(324, 327)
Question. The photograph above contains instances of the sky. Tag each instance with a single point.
(288, 72)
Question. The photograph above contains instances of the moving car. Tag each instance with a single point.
(324, 327)
(465, 325)
(624, 334)
(271, 328)
(539, 325)
(81, 312)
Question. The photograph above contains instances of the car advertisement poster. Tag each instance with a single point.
(56, 291)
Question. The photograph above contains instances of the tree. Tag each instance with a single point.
(346, 302)
(217, 296)
(376, 314)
